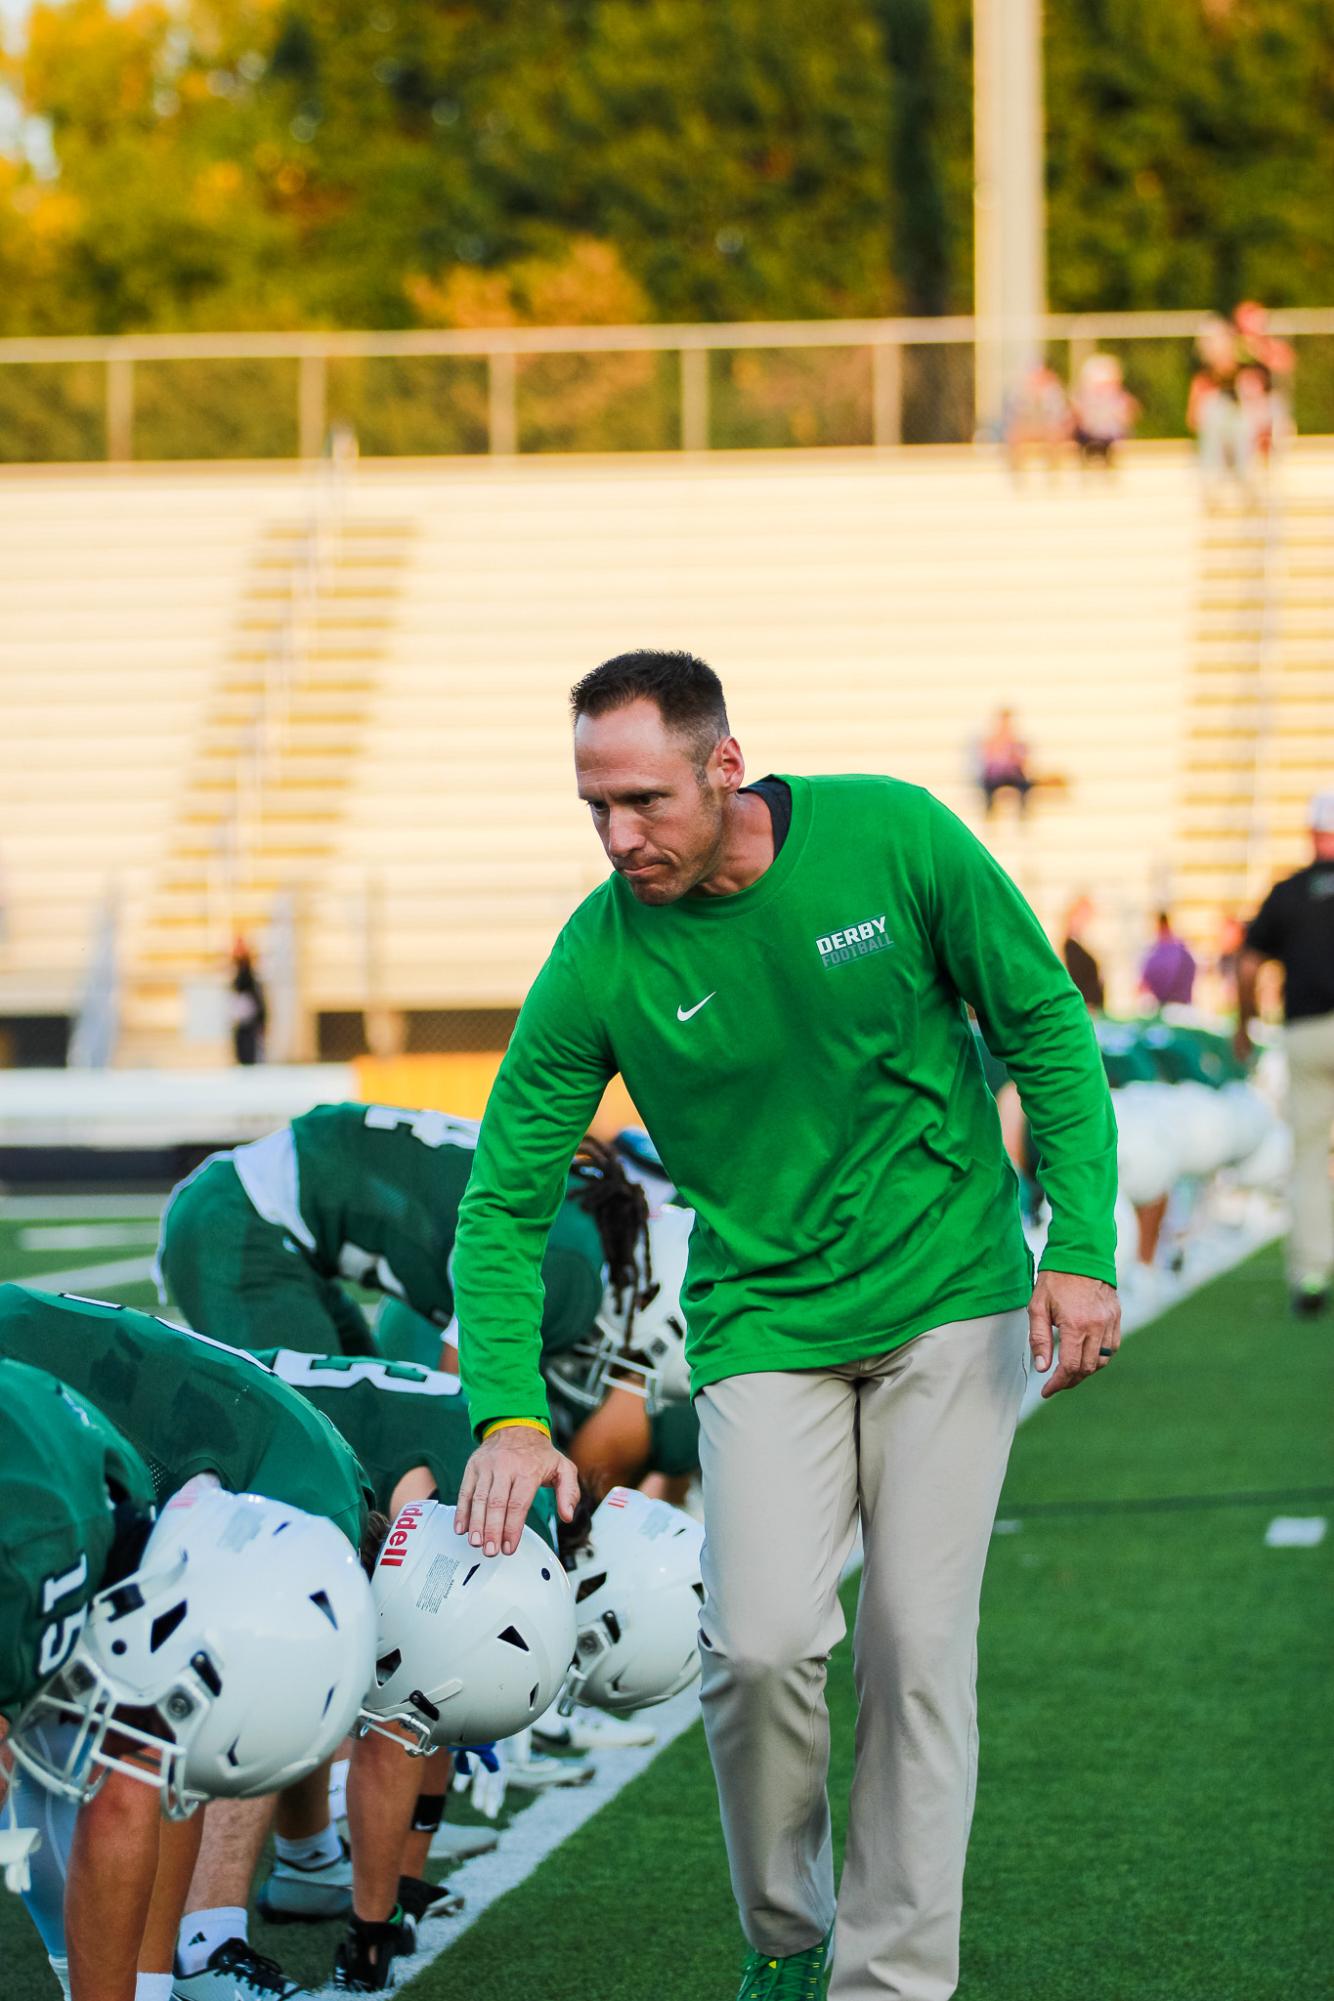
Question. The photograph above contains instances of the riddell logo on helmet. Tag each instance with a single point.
(397, 1542)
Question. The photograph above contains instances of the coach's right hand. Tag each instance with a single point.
(499, 1483)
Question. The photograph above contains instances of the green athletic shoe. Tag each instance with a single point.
(798, 1977)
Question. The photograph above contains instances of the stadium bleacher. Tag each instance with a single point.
(351, 688)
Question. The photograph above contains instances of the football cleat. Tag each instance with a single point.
(522, 1767)
(589, 1731)
(366, 1961)
(235, 1972)
(536, 1775)
(299, 1893)
(419, 1899)
(798, 1976)
(453, 1842)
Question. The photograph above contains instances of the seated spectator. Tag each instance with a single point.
(1104, 409)
(1037, 416)
(1003, 763)
(1168, 971)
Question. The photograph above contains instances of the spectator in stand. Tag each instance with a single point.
(1168, 971)
(1104, 409)
(1264, 379)
(1003, 763)
(1079, 961)
(1213, 409)
(1295, 925)
(1037, 417)
(249, 1013)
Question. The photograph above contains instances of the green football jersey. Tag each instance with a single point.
(379, 1190)
(1183, 1052)
(1126, 1058)
(187, 1404)
(62, 1466)
(394, 1415)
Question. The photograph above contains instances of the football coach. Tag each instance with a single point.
(779, 972)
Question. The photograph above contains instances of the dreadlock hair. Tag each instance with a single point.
(619, 1208)
(573, 1535)
(373, 1539)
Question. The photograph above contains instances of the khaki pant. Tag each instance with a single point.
(1310, 1050)
(914, 1445)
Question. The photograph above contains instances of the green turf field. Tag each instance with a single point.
(1156, 1804)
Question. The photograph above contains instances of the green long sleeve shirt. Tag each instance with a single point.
(801, 1054)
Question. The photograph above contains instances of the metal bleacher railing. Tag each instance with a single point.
(525, 389)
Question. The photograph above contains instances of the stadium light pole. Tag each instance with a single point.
(1009, 226)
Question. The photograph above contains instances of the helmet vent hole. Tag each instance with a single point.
(698, 1590)
(588, 1585)
(512, 1637)
(532, 1696)
(387, 1665)
(119, 1646)
(321, 1600)
(613, 1625)
(207, 1673)
(165, 1625)
(327, 1700)
(546, 1575)
(232, 1758)
(471, 1574)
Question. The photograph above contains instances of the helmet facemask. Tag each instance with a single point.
(90, 1719)
(639, 1335)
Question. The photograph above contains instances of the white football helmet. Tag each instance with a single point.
(639, 1342)
(469, 1648)
(229, 1664)
(637, 1592)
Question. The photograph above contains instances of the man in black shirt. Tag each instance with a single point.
(1295, 925)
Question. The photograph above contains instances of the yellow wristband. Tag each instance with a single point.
(508, 1424)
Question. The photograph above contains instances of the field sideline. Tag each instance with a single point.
(1156, 1800)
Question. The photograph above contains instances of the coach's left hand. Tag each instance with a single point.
(1086, 1314)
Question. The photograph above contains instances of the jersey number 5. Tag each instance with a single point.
(59, 1636)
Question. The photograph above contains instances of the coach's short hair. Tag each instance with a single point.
(686, 692)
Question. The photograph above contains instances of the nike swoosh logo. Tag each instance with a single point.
(684, 1013)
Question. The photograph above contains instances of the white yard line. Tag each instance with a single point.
(123, 1271)
(537, 1833)
(88, 1236)
(50, 1208)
